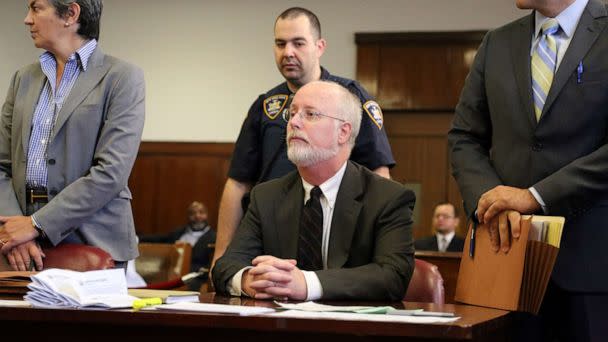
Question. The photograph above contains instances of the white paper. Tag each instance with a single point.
(65, 288)
(216, 308)
(345, 316)
(316, 307)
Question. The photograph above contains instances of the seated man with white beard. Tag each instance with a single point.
(330, 230)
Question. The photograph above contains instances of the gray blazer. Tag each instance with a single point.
(495, 138)
(371, 250)
(90, 154)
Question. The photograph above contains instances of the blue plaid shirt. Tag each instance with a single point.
(49, 104)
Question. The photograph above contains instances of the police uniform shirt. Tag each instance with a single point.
(263, 133)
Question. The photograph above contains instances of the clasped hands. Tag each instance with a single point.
(501, 209)
(272, 277)
(17, 242)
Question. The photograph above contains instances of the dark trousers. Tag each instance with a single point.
(565, 316)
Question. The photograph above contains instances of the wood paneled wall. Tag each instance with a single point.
(417, 79)
(167, 177)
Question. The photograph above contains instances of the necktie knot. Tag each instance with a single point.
(316, 193)
(550, 27)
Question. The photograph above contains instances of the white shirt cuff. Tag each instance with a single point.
(538, 199)
(313, 286)
(235, 283)
(34, 221)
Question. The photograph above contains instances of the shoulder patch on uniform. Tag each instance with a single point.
(274, 104)
(375, 113)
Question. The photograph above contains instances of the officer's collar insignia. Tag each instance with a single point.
(273, 105)
(375, 113)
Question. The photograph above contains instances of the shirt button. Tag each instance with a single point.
(42, 141)
(51, 161)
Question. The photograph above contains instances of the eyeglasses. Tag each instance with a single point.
(443, 216)
(307, 115)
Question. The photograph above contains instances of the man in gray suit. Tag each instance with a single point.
(351, 240)
(69, 134)
(529, 136)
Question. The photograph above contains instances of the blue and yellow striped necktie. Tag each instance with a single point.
(544, 61)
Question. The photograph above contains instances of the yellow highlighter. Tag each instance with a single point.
(142, 303)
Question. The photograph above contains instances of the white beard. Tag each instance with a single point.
(306, 155)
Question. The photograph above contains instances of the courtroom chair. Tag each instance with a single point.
(75, 257)
(426, 284)
(163, 264)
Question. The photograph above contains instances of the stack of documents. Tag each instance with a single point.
(312, 310)
(54, 288)
(516, 280)
(14, 282)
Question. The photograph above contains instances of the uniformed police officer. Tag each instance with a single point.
(260, 153)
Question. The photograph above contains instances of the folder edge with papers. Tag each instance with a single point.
(513, 281)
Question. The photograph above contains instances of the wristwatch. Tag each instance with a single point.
(41, 233)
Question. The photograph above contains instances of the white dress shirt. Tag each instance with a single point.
(441, 245)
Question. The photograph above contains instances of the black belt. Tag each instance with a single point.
(36, 196)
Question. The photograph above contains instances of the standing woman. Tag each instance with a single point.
(70, 130)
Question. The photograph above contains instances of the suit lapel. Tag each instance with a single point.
(435, 244)
(344, 221)
(86, 81)
(590, 26)
(289, 207)
(521, 41)
(29, 107)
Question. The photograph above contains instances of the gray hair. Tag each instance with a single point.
(90, 15)
(349, 107)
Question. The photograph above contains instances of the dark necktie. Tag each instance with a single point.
(311, 233)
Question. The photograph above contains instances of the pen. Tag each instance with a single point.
(472, 243)
(142, 303)
(579, 72)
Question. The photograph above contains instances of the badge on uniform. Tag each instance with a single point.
(375, 113)
(274, 105)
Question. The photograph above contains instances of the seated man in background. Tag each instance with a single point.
(332, 229)
(445, 222)
(198, 233)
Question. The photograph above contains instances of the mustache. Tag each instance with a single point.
(290, 61)
(294, 134)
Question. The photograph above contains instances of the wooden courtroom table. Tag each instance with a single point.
(448, 264)
(29, 324)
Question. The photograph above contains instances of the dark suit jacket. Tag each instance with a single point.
(200, 250)
(371, 252)
(430, 244)
(495, 138)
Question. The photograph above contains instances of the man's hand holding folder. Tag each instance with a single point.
(501, 208)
